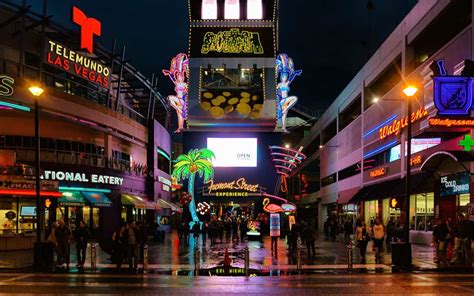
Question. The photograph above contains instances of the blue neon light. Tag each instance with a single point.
(390, 119)
(381, 148)
(15, 106)
(452, 95)
(63, 188)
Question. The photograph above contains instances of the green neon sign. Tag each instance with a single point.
(467, 143)
(232, 41)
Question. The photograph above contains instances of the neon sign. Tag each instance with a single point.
(232, 41)
(467, 143)
(378, 172)
(448, 122)
(6, 85)
(89, 27)
(238, 187)
(452, 95)
(81, 177)
(416, 160)
(77, 64)
(399, 124)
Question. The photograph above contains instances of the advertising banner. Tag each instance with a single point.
(454, 184)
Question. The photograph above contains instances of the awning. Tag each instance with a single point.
(97, 199)
(168, 205)
(137, 202)
(422, 182)
(346, 195)
(72, 199)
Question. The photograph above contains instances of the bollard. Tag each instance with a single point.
(247, 261)
(93, 256)
(349, 256)
(196, 261)
(145, 258)
(298, 256)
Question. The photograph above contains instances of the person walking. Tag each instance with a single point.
(462, 242)
(205, 230)
(391, 229)
(82, 236)
(440, 237)
(243, 229)
(309, 237)
(142, 238)
(293, 239)
(378, 233)
(53, 241)
(347, 230)
(119, 245)
(131, 238)
(362, 238)
(63, 236)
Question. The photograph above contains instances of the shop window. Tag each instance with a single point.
(463, 202)
(422, 211)
(371, 211)
(328, 180)
(349, 171)
(350, 113)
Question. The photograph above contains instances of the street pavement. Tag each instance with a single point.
(177, 257)
(324, 284)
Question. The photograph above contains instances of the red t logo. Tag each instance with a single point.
(89, 27)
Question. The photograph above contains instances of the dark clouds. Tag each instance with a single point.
(324, 37)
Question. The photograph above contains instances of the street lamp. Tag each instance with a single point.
(36, 91)
(410, 92)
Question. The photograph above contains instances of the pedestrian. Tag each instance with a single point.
(131, 237)
(118, 245)
(309, 237)
(142, 238)
(378, 233)
(243, 229)
(334, 229)
(52, 239)
(228, 228)
(462, 243)
(440, 236)
(205, 230)
(362, 238)
(82, 236)
(347, 229)
(235, 229)
(196, 229)
(63, 237)
(391, 229)
(293, 239)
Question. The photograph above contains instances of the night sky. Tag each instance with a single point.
(327, 39)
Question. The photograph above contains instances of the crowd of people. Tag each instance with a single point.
(128, 243)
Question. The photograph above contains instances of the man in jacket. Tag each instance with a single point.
(131, 238)
(82, 237)
(63, 237)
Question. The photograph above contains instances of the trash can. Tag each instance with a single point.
(401, 256)
(43, 256)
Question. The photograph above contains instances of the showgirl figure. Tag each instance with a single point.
(179, 73)
(285, 69)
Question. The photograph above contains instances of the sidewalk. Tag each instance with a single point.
(173, 256)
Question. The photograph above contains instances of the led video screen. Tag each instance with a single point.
(233, 152)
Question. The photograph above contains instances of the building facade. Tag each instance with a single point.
(105, 153)
(356, 150)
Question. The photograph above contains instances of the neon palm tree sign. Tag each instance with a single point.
(188, 165)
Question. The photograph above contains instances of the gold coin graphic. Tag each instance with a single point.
(208, 95)
(217, 112)
(243, 109)
(228, 109)
(226, 94)
(205, 106)
(244, 100)
(254, 98)
(221, 99)
(245, 94)
(216, 102)
(233, 101)
(257, 107)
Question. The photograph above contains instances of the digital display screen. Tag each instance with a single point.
(28, 211)
(417, 145)
(233, 152)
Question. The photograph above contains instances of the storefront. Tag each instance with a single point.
(136, 208)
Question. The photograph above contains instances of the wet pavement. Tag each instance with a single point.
(325, 284)
(177, 257)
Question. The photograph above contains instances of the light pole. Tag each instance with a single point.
(410, 92)
(36, 91)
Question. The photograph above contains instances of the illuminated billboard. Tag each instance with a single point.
(233, 152)
(417, 145)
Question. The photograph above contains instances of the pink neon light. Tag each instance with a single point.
(275, 197)
(88, 122)
(5, 108)
(209, 10)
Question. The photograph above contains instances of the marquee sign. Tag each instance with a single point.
(212, 10)
(397, 125)
(454, 184)
(75, 63)
(82, 177)
(6, 85)
(232, 42)
(237, 188)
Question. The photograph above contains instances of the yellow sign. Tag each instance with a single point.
(235, 188)
(232, 41)
(394, 203)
